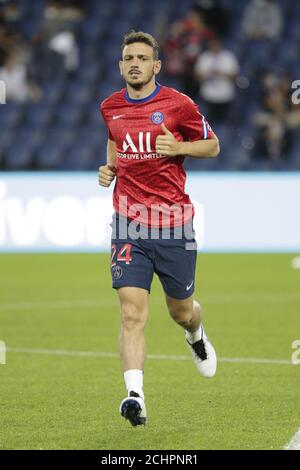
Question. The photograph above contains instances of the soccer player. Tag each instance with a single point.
(151, 129)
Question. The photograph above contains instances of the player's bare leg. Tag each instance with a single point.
(134, 316)
(188, 314)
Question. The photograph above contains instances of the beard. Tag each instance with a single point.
(139, 84)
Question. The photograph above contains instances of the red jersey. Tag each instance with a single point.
(150, 187)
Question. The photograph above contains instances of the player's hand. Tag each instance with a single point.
(106, 175)
(166, 144)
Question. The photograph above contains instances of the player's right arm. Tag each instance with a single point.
(108, 172)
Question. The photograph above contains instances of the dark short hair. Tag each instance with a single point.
(139, 36)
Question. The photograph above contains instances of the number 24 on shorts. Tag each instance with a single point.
(124, 254)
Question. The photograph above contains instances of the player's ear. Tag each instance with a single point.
(157, 66)
(121, 67)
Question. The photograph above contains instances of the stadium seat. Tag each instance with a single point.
(89, 73)
(52, 149)
(68, 115)
(121, 26)
(30, 27)
(53, 91)
(11, 115)
(201, 164)
(80, 157)
(61, 135)
(79, 94)
(6, 139)
(93, 29)
(93, 115)
(39, 115)
(50, 157)
(101, 10)
(106, 88)
(19, 157)
(295, 151)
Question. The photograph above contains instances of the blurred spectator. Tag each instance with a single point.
(19, 88)
(40, 39)
(277, 118)
(65, 46)
(273, 141)
(216, 69)
(275, 98)
(11, 16)
(186, 40)
(263, 19)
(11, 40)
(215, 16)
(7, 36)
(4, 42)
(55, 44)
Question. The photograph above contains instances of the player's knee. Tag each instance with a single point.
(197, 307)
(181, 315)
(184, 313)
(132, 317)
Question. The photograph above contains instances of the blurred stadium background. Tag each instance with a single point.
(60, 60)
(62, 385)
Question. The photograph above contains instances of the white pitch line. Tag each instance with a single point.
(159, 357)
(57, 304)
(62, 352)
(294, 444)
(213, 299)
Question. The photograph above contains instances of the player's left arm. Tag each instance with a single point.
(167, 144)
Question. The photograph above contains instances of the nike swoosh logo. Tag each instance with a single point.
(190, 286)
(117, 117)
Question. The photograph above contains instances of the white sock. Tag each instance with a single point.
(134, 381)
(195, 336)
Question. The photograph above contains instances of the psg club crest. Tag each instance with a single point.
(157, 117)
(117, 272)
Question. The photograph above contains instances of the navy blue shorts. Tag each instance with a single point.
(136, 257)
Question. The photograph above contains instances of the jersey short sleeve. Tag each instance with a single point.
(193, 125)
(102, 110)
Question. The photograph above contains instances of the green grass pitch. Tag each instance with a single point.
(54, 304)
